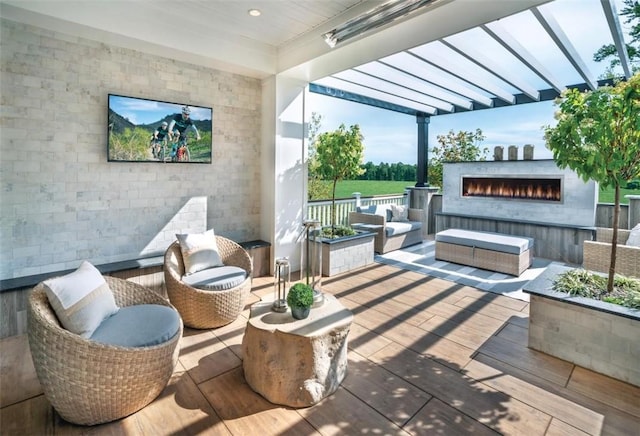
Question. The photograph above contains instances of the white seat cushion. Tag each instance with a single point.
(395, 228)
(634, 236)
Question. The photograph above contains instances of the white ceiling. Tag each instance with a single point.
(221, 34)
(200, 31)
(287, 39)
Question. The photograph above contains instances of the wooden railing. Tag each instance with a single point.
(321, 210)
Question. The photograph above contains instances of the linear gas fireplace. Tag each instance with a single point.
(518, 191)
(515, 187)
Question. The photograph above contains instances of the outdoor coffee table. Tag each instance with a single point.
(292, 362)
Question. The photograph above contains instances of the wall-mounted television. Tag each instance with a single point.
(144, 130)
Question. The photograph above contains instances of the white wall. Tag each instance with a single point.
(62, 202)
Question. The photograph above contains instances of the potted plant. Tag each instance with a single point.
(300, 299)
(598, 136)
(338, 156)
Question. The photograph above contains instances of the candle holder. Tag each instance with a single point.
(311, 260)
(281, 283)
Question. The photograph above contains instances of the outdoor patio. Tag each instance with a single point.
(426, 356)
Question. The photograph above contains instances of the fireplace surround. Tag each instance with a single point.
(525, 190)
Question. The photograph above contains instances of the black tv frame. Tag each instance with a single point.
(132, 121)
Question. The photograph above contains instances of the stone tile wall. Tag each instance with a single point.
(62, 202)
(338, 258)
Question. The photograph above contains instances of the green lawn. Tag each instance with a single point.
(606, 196)
(368, 188)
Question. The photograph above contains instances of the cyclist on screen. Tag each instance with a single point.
(158, 138)
(180, 123)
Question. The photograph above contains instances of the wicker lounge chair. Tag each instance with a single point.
(88, 382)
(597, 254)
(202, 309)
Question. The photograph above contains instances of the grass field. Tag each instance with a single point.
(368, 188)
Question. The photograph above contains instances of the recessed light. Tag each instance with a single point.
(254, 12)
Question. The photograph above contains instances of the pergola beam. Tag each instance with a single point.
(554, 30)
(611, 14)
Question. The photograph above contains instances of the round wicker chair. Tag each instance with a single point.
(203, 309)
(91, 383)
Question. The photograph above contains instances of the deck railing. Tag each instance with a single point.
(321, 210)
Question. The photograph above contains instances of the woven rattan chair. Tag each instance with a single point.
(203, 309)
(89, 382)
(597, 254)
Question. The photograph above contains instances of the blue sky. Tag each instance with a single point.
(140, 111)
(392, 137)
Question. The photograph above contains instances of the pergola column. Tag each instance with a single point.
(423, 149)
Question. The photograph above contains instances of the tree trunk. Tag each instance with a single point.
(614, 242)
(333, 208)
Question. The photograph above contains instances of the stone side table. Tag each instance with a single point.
(292, 362)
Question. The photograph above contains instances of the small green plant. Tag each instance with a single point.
(579, 282)
(337, 232)
(300, 295)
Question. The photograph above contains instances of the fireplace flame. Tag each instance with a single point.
(527, 189)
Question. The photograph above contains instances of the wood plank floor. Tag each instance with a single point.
(426, 356)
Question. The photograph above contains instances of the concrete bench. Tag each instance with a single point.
(486, 250)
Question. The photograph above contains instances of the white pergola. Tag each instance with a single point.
(525, 57)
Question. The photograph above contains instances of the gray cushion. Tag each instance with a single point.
(486, 240)
(142, 325)
(398, 228)
(366, 227)
(216, 279)
(368, 209)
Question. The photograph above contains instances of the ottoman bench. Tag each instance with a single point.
(492, 251)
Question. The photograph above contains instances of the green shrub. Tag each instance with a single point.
(300, 295)
(579, 282)
(337, 232)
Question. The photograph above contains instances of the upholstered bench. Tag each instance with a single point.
(486, 250)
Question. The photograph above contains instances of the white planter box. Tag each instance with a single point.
(593, 334)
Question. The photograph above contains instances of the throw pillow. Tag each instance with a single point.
(634, 236)
(81, 299)
(199, 251)
(382, 210)
(399, 213)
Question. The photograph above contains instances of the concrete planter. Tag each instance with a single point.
(346, 253)
(593, 334)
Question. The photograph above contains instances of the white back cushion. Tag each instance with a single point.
(199, 251)
(81, 299)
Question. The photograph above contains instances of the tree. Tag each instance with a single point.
(455, 147)
(632, 13)
(317, 189)
(339, 155)
(598, 136)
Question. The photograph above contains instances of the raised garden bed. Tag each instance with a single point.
(593, 334)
